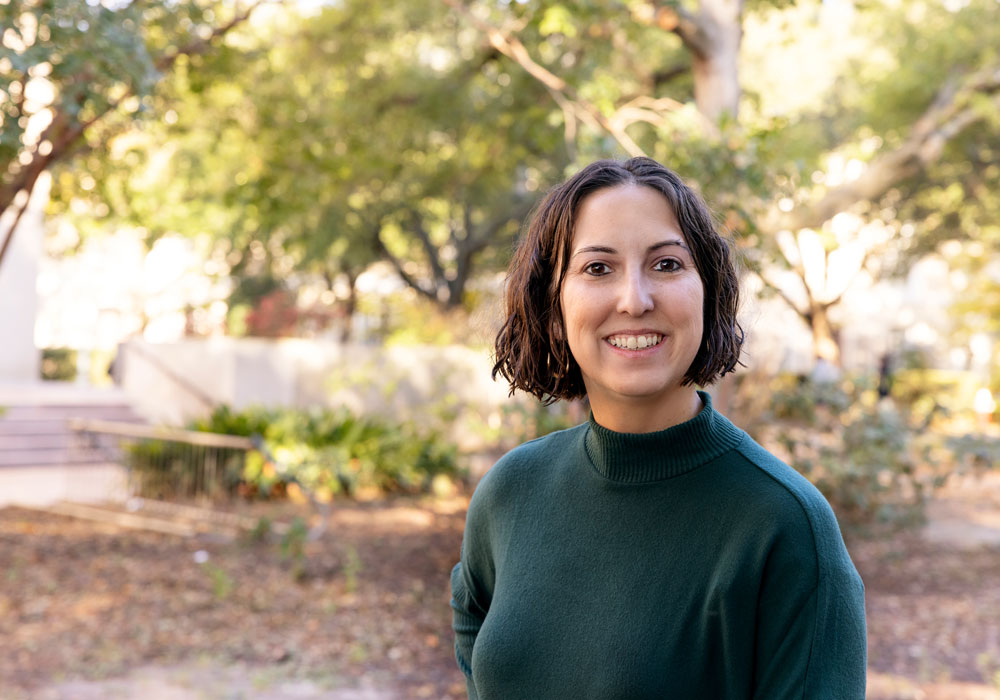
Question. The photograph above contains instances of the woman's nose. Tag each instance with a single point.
(635, 297)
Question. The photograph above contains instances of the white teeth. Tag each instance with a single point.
(634, 342)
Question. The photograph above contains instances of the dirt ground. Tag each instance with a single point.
(94, 610)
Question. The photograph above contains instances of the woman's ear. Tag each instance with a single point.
(556, 326)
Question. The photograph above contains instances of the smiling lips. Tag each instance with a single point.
(634, 342)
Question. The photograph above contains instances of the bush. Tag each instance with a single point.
(876, 461)
(328, 452)
(165, 469)
(58, 364)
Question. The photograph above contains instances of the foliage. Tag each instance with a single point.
(74, 73)
(359, 133)
(975, 451)
(261, 530)
(526, 421)
(329, 452)
(59, 364)
(273, 316)
(352, 568)
(293, 547)
(875, 460)
(323, 142)
(222, 583)
(166, 469)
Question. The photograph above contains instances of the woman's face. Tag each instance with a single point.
(631, 300)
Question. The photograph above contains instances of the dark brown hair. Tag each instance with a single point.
(531, 350)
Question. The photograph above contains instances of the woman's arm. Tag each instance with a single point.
(810, 637)
(472, 579)
(467, 618)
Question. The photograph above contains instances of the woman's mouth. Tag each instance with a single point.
(634, 342)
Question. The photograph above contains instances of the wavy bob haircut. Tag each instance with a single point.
(531, 350)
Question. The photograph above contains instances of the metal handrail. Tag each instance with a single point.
(192, 437)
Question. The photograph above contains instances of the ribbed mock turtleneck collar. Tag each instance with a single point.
(634, 458)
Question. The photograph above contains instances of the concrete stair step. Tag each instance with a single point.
(34, 427)
(63, 412)
(57, 440)
(36, 432)
(23, 458)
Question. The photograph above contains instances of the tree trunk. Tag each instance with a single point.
(350, 307)
(826, 344)
(716, 58)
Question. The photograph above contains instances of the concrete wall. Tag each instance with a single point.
(405, 382)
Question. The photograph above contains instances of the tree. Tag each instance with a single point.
(71, 73)
(633, 71)
(825, 133)
(363, 132)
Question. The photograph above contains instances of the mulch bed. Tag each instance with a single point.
(92, 600)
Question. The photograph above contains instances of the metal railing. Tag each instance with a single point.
(166, 462)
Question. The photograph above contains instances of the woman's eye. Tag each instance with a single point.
(668, 265)
(596, 268)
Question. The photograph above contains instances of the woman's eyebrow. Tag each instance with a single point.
(663, 244)
(595, 249)
(612, 251)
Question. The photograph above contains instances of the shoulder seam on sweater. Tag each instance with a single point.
(812, 533)
(798, 499)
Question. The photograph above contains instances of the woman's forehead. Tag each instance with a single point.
(626, 216)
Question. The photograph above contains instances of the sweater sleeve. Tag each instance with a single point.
(471, 584)
(810, 638)
(466, 621)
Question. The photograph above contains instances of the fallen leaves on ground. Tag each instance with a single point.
(90, 600)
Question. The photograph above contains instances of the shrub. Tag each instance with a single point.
(166, 469)
(327, 452)
(58, 364)
(876, 461)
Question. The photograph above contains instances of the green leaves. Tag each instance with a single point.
(557, 19)
(335, 452)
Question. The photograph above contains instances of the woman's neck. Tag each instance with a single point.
(633, 415)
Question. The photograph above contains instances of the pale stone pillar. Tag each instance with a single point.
(20, 360)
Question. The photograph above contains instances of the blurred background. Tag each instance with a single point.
(251, 264)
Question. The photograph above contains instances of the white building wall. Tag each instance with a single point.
(20, 360)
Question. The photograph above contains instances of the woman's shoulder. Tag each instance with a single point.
(776, 476)
(790, 508)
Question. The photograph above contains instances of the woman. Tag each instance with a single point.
(656, 551)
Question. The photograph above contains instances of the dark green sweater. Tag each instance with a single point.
(683, 564)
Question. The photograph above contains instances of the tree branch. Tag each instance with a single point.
(403, 274)
(947, 116)
(781, 293)
(662, 77)
(202, 45)
(429, 249)
(13, 227)
(512, 47)
(648, 109)
(676, 19)
(62, 133)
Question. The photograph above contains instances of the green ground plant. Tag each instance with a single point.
(222, 583)
(293, 548)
